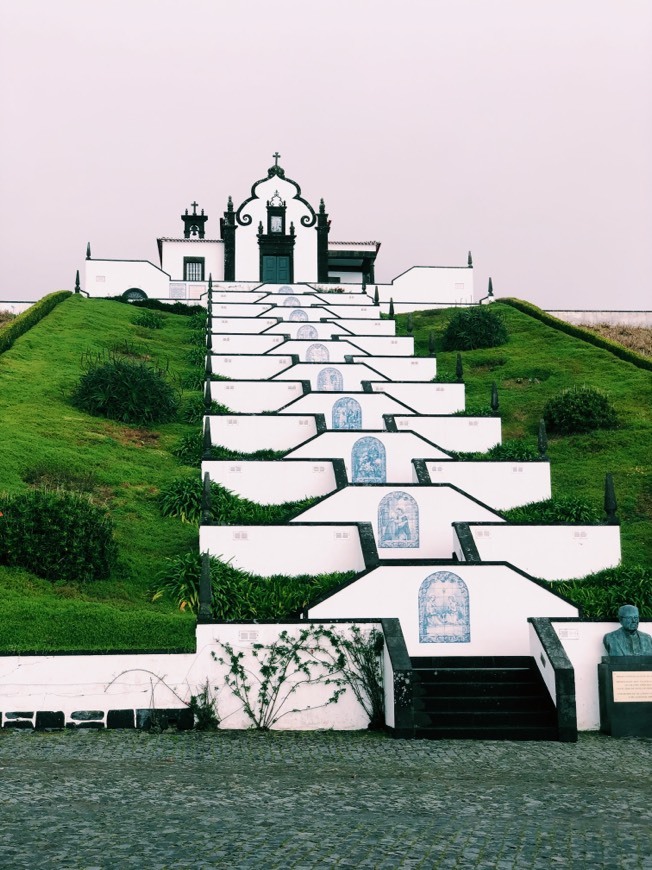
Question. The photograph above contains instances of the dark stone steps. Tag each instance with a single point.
(474, 703)
(476, 733)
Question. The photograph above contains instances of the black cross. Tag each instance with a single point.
(194, 207)
(276, 156)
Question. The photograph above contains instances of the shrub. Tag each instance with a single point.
(578, 410)
(560, 509)
(57, 535)
(182, 498)
(239, 596)
(198, 319)
(190, 448)
(471, 328)
(196, 356)
(157, 305)
(19, 325)
(131, 392)
(150, 320)
(600, 595)
(195, 409)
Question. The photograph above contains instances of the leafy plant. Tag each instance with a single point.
(204, 708)
(559, 509)
(196, 356)
(150, 320)
(198, 319)
(471, 328)
(578, 410)
(156, 305)
(238, 596)
(182, 498)
(600, 595)
(131, 392)
(195, 409)
(57, 535)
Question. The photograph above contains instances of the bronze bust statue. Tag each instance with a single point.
(628, 640)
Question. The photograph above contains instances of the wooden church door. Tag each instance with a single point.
(276, 270)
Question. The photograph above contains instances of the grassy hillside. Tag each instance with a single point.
(535, 364)
(44, 440)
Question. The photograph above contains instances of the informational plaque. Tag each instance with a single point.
(632, 686)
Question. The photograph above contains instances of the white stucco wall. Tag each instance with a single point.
(372, 406)
(274, 482)
(285, 313)
(342, 310)
(367, 326)
(173, 252)
(500, 602)
(242, 309)
(462, 434)
(236, 297)
(114, 277)
(582, 642)
(400, 368)
(550, 552)
(438, 508)
(246, 343)
(287, 300)
(400, 447)
(502, 485)
(425, 398)
(435, 284)
(253, 397)
(249, 433)
(324, 330)
(336, 350)
(352, 374)
(249, 366)
(291, 550)
(380, 345)
(242, 324)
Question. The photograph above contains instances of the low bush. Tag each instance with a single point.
(130, 392)
(150, 320)
(578, 410)
(195, 409)
(199, 319)
(600, 595)
(25, 321)
(559, 509)
(239, 596)
(157, 305)
(472, 328)
(182, 498)
(511, 450)
(56, 535)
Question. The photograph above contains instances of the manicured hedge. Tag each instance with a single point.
(578, 332)
(25, 321)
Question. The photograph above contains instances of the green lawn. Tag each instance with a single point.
(126, 466)
(40, 432)
(536, 363)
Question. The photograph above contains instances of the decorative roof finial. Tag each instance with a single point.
(77, 286)
(88, 251)
(276, 157)
(490, 290)
(470, 260)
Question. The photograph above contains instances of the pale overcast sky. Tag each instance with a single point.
(519, 129)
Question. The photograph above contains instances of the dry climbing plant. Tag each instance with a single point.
(316, 655)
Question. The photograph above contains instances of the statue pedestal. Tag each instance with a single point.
(625, 689)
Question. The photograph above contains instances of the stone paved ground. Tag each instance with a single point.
(252, 800)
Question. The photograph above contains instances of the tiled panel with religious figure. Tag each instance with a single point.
(291, 301)
(307, 331)
(398, 521)
(444, 609)
(368, 461)
(347, 414)
(330, 380)
(298, 314)
(317, 353)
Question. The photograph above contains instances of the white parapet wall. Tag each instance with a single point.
(399, 368)
(484, 611)
(462, 434)
(315, 351)
(242, 324)
(410, 522)
(298, 314)
(115, 277)
(346, 410)
(367, 326)
(238, 343)
(247, 366)
(305, 329)
(377, 457)
(330, 377)
(241, 309)
(289, 550)
(273, 482)
(236, 296)
(383, 345)
(86, 690)
(550, 552)
(429, 285)
(248, 433)
(253, 397)
(424, 398)
(582, 642)
(502, 485)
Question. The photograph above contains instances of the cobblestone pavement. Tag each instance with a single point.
(255, 800)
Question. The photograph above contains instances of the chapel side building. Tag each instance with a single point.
(275, 236)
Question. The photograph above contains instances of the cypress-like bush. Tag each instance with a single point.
(578, 410)
(127, 391)
(471, 328)
(57, 535)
